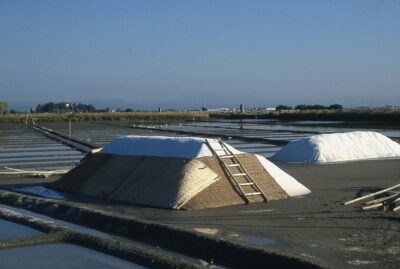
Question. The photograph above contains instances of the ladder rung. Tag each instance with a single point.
(239, 174)
(246, 184)
(232, 165)
(217, 146)
(252, 193)
(226, 156)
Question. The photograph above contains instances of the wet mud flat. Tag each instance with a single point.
(316, 229)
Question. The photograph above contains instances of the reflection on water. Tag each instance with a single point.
(260, 241)
(60, 256)
(9, 230)
(24, 148)
(41, 191)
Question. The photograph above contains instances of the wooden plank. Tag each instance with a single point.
(252, 193)
(238, 174)
(379, 200)
(246, 184)
(371, 195)
(372, 206)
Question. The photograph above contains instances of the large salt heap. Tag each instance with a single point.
(339, 147)
(176, 172)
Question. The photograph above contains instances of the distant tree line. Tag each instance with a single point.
(283, 107)
(64, 107)
(310, 107)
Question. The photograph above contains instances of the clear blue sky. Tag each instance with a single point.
(200, 53)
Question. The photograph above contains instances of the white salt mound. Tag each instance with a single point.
(339, 147)
(291, 186)
(191, 148)
(161, 146)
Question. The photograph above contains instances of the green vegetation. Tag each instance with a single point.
(318, 107)
(390, 115)
(78, 112)
(3, 107)
(283, 107)
(335, 106)
(310, 107)
(108, 116)
(64, 107)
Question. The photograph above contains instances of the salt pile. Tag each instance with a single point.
(177, 173)
(339, 147)
(161, 146)
(192, 147)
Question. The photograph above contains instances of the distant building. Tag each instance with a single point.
(219, 110)
(66, 104)
(392, 107)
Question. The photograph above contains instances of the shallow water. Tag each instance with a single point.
(82, 229)
(75, 227)
(41, 191)
(260, 241)
(25, 149)
(60, 256)
(9, 230)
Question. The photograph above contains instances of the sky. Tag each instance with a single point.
(190, 54)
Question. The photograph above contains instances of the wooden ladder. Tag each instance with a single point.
(225, 154)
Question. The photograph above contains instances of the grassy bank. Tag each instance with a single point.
(320, 115)
(388, 115)
(107, 116)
